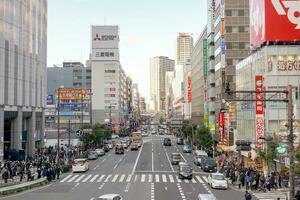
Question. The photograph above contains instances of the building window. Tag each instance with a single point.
(106, 54)
(235, 45)
(77, 71)
(102, 54)
(235, 13)
(88, 77)
(235, 29)
(111, 54)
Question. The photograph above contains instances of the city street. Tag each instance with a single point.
(145, 174)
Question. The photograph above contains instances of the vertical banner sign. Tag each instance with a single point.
(221, 123)
(189, 89)
(226, 129)
(259, 111)
(205, 58)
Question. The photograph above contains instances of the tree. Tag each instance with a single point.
(270, 153)
(204, 138)
(99, 133)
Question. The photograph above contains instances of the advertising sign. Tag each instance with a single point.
(105, 37)
(259, 111)
(205, 58)
(189, 91)
(50, 99)
(270, 20)
(70, 105)
(221, 121)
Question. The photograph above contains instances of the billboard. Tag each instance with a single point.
(50, 99)
(271, 20)
(105, 37)
(189, 90)
(259, 112)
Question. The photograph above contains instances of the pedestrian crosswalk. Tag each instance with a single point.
(127, 178)
(271, 196)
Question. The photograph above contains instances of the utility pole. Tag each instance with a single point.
(58, 124)
(69, 134)
(82, 109)
(275, 96)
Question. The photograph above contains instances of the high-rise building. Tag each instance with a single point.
(71, 75)
(143, 104)
(228, 43)
(199, 80)
(108, 77)
(23, 86)
(184, 47)
(136, 101)
(158, 67)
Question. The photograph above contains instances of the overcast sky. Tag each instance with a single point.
(147, 28)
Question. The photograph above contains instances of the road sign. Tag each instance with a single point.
(78, 132)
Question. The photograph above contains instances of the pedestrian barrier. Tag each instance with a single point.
(22, 186)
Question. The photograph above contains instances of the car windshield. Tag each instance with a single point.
(176, 156)
(79, 161)
(218, 177)
(210, 162)
(187, 168)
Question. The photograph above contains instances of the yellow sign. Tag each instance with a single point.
(232, 108)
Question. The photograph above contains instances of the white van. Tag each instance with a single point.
(198, 155)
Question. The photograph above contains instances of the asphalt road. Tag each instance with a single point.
(146, 174)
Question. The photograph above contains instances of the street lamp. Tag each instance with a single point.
(58, 122)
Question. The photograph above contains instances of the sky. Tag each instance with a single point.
(148, 28)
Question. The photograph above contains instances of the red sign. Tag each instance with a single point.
(259, 96)
(260, 130)
(189, 89)
(221, 120)
(271, 20)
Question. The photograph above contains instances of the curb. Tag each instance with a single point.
(19, 188)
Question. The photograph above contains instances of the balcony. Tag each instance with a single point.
(211, 65)
(211, 92)
(211, 51)
(211, 106)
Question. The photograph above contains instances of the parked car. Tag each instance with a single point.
(206, 197)
(185, 170)
(110, 145)
(175, 158)
(199, 156)
(134, 146)
(105, 148)
(100, 152)
(80, 165)
(209, 165)
(92, 155)
(110, 197)
(186, 149)
(125, 144)
(217, 180)
(179, 141)
(167, 142)
(119, 149)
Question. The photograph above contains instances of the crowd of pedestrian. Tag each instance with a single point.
(42, 164)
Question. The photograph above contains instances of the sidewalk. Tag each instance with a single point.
(243, 189)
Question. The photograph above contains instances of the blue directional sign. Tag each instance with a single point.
(78, 132)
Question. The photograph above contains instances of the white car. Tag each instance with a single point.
(80, 165)
(100, 152)
(114, 136)
(206, 197)
(110, 145)
(125, 144)
(110, 197)
(217, 180)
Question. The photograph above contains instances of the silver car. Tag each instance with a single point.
(92, 155)
(206, 197)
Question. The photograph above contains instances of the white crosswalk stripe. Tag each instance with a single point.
(122, 178)
(157, 178)
(271, 196)
(101, 178)
(129, 178)
(87, 178)
(143, 178)
(72, 179)
(66, 178)
(115, 178)
(94, 178)
(150, 178)
(171, 178)
(199, 179)
(81, 177)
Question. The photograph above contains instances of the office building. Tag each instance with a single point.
(184, 47)
(23, 86)
(199, 84)
(108, 76)
(71, 75)
(159, 66)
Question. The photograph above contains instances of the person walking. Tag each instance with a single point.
(247, 181)
(248, 195)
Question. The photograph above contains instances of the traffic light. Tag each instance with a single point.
(243, 145)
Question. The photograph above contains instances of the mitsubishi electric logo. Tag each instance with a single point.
(104, 37)
(293, 10)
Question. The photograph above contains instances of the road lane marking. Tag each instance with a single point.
(135, 178)
(72, 179)
(101, 186)
(122, 178)
(81, 177)
(186, 181)
(199, 179)
(171, 178)
(143, 178)
(193, 180)
(96, 167)
(178, 179)
(94, 178)
(152, 192)
(129, 178)
(164, 178)
(183, 157)
(152, 161)
(169, 160)
(115, 178)
(157, 178)
(127, 187)
(67, 177)
(107, 178)
(137, 159)
(101, 177)
(87, 178)
(205, 179)
(75, 186)
(150, 178)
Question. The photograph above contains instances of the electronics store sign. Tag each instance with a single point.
(284, 64)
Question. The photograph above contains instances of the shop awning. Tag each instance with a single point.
(225, 148)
